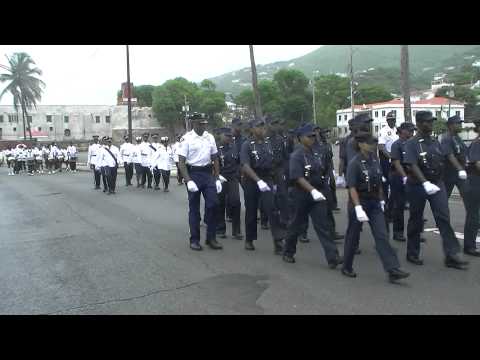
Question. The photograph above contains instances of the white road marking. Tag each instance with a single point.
(457, 234)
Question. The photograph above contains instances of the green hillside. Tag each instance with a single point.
(424, 61)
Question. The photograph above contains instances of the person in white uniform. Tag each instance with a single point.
(126, 156)
(93, 151)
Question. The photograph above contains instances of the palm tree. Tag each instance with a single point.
(24, 86)
(256, 94)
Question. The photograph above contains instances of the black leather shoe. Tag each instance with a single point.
(399, 237)
(237, 236)
(397, 274)
(414, 260)
(265, 227)
(149, 187)
(337, 236)
(472, 252)
(166, 190)
(157, 187)
(288, 259)
(333, 264)
(249, 245)
(453, 261)
(348, 273)
(196, 246)
(303, 239)
(213, 244)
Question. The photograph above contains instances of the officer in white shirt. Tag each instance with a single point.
(72, 157)
(109, 156)
(146, 152)
(60, 159)
(10, 156)
(30, 157)
(175, 159)
(137, 160)
(196, 152)
(38, 160)
(126, 155)
(156, 147)
(93, 150)
(386, 137)
(161, 162)
(20, 155)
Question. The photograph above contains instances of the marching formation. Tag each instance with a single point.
(288, 176)
(34, 160)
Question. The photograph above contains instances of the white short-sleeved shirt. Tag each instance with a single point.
(106, 158)
(93, 151)
(126, 153)
(387, 137)
(197, 150)
(146, 153)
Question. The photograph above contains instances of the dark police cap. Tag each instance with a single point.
(391, 116)
(363, 118)
(407, 126)
(366, 139)
(306, 130)
(454, 120)
(125, 137)
(256, 123)
(146, 134)
(421, 116)
(95, 136)
(201, 118)
(154, 135)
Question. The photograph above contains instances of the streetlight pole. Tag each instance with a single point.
(186, 113)
(129, 98)
(314, 105)
(352, 101)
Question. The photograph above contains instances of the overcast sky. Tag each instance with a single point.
(92, 74)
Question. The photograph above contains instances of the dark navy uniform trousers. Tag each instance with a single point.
(472, 205)
(229, 200)
(398, 200)
(206, 184)
(417, 198)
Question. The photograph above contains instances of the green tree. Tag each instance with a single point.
(143, 93)
(24, 86)
(211, 102)
(372, 93)
(208, 85)
(331, 93)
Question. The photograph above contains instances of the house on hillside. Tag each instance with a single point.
(441, 107)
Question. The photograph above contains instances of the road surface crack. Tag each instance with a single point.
(125, 299)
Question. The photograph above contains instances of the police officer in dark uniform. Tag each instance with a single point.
(425, 161)
(364, 181)
(398, 180)
(229, 198)
(256, 158)
(455, 150)
(472, 194)
(309, 172)
(196, 153)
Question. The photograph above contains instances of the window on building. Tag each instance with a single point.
(65, 119)
(1, 132)
(457, 113)
(13, 118)
(49, 118)
(1, 118)
(383, 113)
(376, 114)
(339, 117)
(29, 119)
(39, 128)
(438, 114)
(394, 112)
(376, 128)
(66, 132)
(14, 129)
(97, 119)
(51, 128)
(344, 117)
(107, 119)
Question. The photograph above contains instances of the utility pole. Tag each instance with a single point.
(129, 99)
(352, 101)
(185, 108)
(405, 80)
(314, 105)
(256, 95)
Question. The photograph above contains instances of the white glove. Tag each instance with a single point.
(384, 180)
(340, 181)
(405, 180)
(191, 186)
(382, 205)
(430, 188)
(462, 175)
(222, 179)
(97, 168)
(218, 184)
(262, 185)
(317, 195)
(361, 215)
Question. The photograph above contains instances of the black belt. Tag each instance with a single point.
(199, 168)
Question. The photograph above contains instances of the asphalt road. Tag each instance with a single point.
(68, 249)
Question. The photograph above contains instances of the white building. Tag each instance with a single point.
(439, 106)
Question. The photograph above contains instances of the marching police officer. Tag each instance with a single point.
(455, 150)
(364, 182)
(72, 157)
(425, 160)
(256, 159)
(101, 165)
(309, 172)
(155, 146)
(398, 180)
(386, 137)
(93, 150)
(109, 162)
(229, 198)
(146, 152)
(126, 157)
(472, 194)
(196, 153)
(137, 160)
